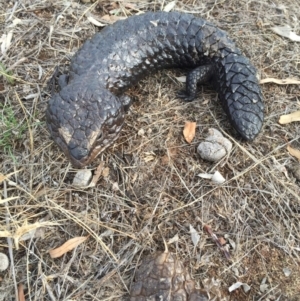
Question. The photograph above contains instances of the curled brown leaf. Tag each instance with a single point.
(67, 246)
(189, 131)
(284, 119)
(21, 292)
(294, 152)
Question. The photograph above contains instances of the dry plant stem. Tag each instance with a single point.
(152, 192)
(48, 288)
(256, 162)
(9, 242)
(28, 124)
(20, 61)
(266, 294)
(235, 263)
(78, 221)
(80, 287)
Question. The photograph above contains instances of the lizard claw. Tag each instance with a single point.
(184, 96)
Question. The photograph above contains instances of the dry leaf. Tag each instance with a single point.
(173, 239)
(264, 286)
(214, 287)
(105, 172)
(26, 231)
(287, 81)
(115, 186)
(217, 178)
(8, 199)
(194, 235)
(97, 174)
(232, 243)
(34, 233)
(67, 246)
(171, 153)
(284, 119)
(205, 175)
(165, 160)
(181, 79)
(169, 6)
(21, 292)
(106, 18)
(111, 18)
(149, 156)
(287, 272)
(25, 228)
(95, 22)
(294, 152)
(189, 131)
(5, 41)
(239, 284)
(286, 31)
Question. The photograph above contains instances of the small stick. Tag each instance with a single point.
(9, 242)
(216, 240)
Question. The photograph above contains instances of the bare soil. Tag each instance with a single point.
(150, 192)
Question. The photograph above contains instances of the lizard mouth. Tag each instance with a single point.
(87, 159)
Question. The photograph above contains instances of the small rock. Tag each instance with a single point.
(4, 262)
(287, 272)
(235, 271)
(246, 287)
(263, 287)
(82, 178)
(141, 132)
(215, 146)
(115, 186)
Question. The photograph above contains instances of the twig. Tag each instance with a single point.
(9, 242)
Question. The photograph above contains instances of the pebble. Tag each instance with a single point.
(4, 262)
(215, 146)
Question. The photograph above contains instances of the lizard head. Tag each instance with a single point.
(84, 121)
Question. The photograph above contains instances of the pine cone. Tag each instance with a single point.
(163, 278)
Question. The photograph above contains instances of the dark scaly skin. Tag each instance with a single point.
(163, 277)
(87, 114)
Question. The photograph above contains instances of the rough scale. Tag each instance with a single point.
(162, 277)
(86, 116)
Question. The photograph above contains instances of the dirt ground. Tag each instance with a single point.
(149, 191)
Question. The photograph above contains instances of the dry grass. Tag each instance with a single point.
(152, 192)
